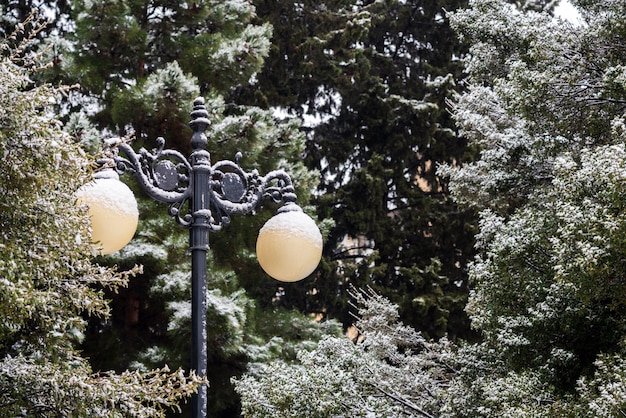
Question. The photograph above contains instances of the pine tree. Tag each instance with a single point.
(121, 44)
(142, 63)
(371, 80)
(47, 279)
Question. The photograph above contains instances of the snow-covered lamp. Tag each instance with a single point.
(289, 246)
(112, 210)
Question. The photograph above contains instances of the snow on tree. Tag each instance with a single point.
(372, 78)
(391, 371)
(544, 106)
(119, 45)
(48, 282)
(546, 109)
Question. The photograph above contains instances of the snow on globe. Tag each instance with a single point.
(289, 246)
(112, 209)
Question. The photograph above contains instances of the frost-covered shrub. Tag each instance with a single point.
(48, 282)
(391, 371)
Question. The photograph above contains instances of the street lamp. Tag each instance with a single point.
(201, 197)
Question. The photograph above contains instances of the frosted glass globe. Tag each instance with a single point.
(113, 213)
(289, 246)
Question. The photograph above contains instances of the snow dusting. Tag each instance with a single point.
(110, 194)
(295, 224)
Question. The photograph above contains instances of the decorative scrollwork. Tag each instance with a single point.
(278, 187)
(167, 176)
(180, 212)
(235, 191)
(163, 174)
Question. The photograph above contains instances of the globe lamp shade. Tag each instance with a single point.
(289, 246)
(112, 210)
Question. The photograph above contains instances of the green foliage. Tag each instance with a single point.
(40, 245)
(151, 321)
(48, 283)
(158, 105)
(546, 110)
(57, 390)
(605, 390)
(371, 81)
(140, 65)
(120, 44)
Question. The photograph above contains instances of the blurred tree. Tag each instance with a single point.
(371, 80)
(15, 12)
(536, 5)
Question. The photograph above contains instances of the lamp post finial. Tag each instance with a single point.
(199, 122)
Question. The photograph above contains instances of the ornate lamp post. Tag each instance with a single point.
(201, 197)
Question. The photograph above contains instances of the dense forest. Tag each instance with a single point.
(463, 159)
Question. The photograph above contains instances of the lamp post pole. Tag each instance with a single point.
(199, 245)
(202, 196)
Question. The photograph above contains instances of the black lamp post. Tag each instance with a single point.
(202, 196)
